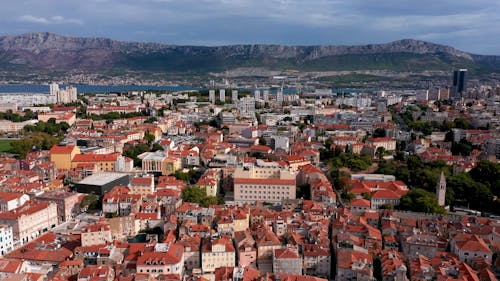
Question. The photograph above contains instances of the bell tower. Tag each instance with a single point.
(441, 190)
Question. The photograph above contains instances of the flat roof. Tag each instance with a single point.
(101, 178)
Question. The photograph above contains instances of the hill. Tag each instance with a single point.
(51, 52)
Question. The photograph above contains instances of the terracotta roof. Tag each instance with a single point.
(56, 149)
(96, 157)
(285, 254)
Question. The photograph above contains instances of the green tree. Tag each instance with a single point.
(90, 203)
(379, 133)
(196, 194)
(380, 152)
(420, 200)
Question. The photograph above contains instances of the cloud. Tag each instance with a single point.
(48, 20)
(464, 24)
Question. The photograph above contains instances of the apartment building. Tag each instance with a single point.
(268, 184)
(30, 220)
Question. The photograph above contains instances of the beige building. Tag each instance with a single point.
(143, 186)
(286, 261)
(68, 203)
(217, 253)
(13, 127)
(169, 262)
(268, 184)
(96, 234)
(30, 220)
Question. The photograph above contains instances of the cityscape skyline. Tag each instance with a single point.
(465, 25)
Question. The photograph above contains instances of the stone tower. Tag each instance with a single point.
(441, 190)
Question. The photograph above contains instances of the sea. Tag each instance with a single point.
(93, 89)
(88, 89)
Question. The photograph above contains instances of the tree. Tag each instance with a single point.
(35, 140)
(420, 200)
(196, 194)
(90, 203)
(149, 137)
(303, 191)
(380, 152)
(379, 133)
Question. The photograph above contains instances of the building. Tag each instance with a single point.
(96, 273)
(103, 162)
(142, 185)
(211, 96)
(170, 261)
(279, 97)
(246, 107)
(459, 83)
(222, 95)
(160, 162)
(101, 183)
(217, 253)
(317, 260)
(266, 95)
(234, 96)
(286, 261)
(96, 234)
(353, 265)
(267, 184)
(12, 200)
(63, 155)
(8, 126)
(67, 95)
(6, 239)
(68, 203)
(441, 190)
(30, 220)
(257, 94)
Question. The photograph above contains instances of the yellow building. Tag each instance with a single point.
(104, 162)
(63, 155)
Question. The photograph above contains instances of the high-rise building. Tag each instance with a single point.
(257, 94)
(459, 83)
(266, 95)
(234, 96)
(67, 95)
(222, 95)
(279, 96)
(54, 88)
(211, 96)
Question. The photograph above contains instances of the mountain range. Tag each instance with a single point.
(51, 52)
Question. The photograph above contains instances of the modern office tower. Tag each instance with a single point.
(234, 96)
(222, 95)
(257, 94)
(459, 83)
(266, 95)
(211, 96)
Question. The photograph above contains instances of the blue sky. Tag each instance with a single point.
(469, 25)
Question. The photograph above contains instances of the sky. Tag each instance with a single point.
(468, 25)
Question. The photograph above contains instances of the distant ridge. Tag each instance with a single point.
(48, 51)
